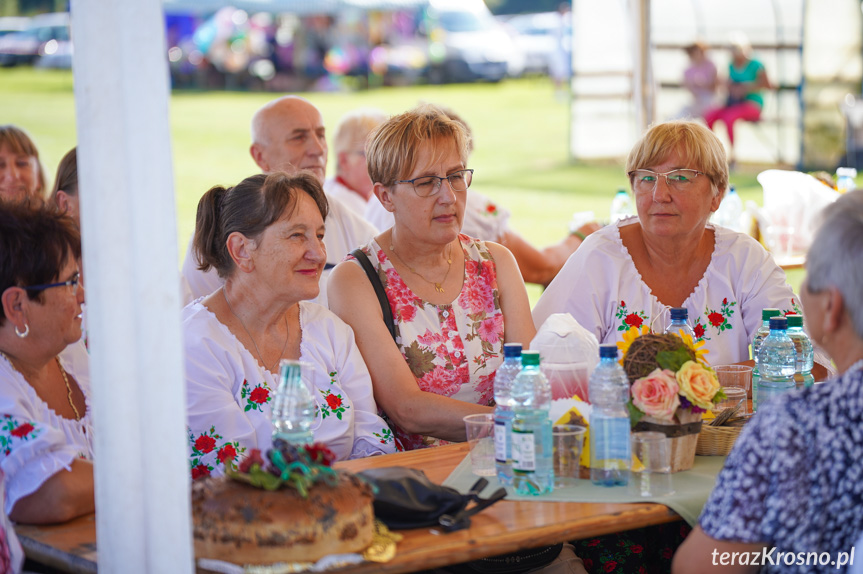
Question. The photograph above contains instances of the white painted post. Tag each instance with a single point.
(644, 92)
(133, 297)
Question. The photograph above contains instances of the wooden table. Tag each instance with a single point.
(505, 527)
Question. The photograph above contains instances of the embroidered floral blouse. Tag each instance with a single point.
(36, 442)
(452, 350)
(229, 395)
(601, 288)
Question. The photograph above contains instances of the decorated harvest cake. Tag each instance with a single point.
(292, 508)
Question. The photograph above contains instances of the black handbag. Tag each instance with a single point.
(406, 498)
(379, 289)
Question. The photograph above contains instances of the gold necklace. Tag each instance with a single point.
(65, 380)
(437, 285)
(243, 325)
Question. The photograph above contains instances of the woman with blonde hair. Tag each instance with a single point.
(630, 273)
(455, 300)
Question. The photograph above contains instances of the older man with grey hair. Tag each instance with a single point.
(288, 134)
(790, 497)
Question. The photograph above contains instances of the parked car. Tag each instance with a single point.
(10, 24)
(466, 43)
(537, 36)
(27, 46)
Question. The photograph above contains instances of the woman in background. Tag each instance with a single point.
(21, 173)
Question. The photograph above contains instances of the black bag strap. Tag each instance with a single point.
(379, 289)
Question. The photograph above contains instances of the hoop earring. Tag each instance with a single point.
(25, 333)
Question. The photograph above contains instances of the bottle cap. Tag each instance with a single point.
(608, 351)
(511, 350)
(769, 312)
(732, 188)
(622, 190)
(679, 314)
(780, 323)
(794, 320)
(530, 359)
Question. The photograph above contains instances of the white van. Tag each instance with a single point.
(466, 43)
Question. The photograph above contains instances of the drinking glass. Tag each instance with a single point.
(480, 435)
(651, 467)
(568, 441)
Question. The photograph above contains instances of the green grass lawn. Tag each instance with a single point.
(520, 129)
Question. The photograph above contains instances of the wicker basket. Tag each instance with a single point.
(716, 441)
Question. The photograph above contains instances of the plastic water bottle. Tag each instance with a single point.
(610, 451)
(621, 205)
(503, 412)
(680, 322)
(762, 332)
(730, 210)
(803, 347)
(777, 359)
(845, 179)
(532, 468)
(293, 406)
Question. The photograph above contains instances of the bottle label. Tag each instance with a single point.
(523, 451)
(500, 442)
(610, 439)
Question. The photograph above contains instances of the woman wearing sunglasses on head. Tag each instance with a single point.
(631, 272)
(46, 434)
(455, 300)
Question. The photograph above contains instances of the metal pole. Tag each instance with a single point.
(133, 296)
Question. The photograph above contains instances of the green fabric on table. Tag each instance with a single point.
(691, 488)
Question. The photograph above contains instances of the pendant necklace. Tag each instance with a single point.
(437, 286)
(252, 339)
(65, 380)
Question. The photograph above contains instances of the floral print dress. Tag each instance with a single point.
(452, 350)
(229, 396)
(602, 289)
(36, 442)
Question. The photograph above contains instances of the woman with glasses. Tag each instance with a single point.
(629, 274)
(46, 434)
(455, 300)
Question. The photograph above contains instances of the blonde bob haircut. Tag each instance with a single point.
(393, 148)
(698, 146)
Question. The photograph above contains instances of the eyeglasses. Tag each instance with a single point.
(644, 180)
(429, 185)
(73, 283)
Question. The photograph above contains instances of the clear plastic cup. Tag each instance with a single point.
(568, 441)
(480, 436)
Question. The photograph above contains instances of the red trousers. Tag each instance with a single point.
(747, 110)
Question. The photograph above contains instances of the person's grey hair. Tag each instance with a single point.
(835, 258)
(354, 128)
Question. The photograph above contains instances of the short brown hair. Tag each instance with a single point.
(392, 149)
(35, 242)
(695, 142)
(248, 208)
(19, 142)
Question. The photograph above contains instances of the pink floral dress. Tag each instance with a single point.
(452, 350)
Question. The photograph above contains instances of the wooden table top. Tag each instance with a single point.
(504, 527)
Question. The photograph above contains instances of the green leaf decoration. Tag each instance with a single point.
(672, 360)
(419, 360)
(248, 408)
(719, 396)
(635, 415)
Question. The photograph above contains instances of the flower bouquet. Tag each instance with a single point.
(672, 386)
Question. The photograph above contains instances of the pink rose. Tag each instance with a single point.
(656, 394)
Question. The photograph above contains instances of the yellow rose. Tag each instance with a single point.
(697, 384)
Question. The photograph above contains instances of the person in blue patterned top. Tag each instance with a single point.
(790, 497)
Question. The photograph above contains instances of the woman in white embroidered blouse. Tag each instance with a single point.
(631, 272)
(264, 237)
(45, 429)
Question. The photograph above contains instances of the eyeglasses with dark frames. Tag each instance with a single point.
(73, 283)
(429, 185)
(644, 180)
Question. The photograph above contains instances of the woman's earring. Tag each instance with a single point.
(25, 333)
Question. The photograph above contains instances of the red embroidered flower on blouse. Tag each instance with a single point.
(334, 401)
(226, 453)
(259, 395)
(716, 319)
(205, 443)
(22, 430)
(200, 471)
(633, 320)
(699, 331)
